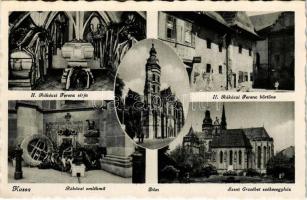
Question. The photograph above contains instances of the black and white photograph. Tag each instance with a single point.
(152, 94)
(233, 50)
(70, 50)
(232, 142)
(59, 141)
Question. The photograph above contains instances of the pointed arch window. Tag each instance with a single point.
(230, 157)
(240, 157)
(221, 156)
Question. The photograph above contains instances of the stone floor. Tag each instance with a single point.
(35, 175)
(154, 143)
(53, 81)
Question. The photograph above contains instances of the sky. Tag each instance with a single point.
(259, 13)
(173, 72)
(276, 117)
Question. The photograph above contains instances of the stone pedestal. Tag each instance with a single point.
(119, 147)
(77, 170)
(118, 165)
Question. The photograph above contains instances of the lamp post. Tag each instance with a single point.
(138, 167)
(18, 166)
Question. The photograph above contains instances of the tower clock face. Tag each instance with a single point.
(152, 93)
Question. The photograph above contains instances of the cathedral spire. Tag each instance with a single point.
(223, 120)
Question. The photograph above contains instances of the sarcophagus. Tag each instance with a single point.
(21, 60)
(21, 64)
(77, 50)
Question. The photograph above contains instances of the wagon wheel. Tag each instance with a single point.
(35, 149)
(68, 152)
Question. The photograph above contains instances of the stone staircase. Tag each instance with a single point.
(118, 165)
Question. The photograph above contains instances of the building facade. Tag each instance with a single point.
(216, 47)
(230, 149)
(275, 51)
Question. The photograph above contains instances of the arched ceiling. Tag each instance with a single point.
(45, 18)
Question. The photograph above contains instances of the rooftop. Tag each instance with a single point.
(239, 19)
(265, 20)
(258, 133)
(231, 138)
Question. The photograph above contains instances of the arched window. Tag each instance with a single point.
(230, 157)
(220, 69)
(269, 152)
(240, 157)
(259, 157)
(264, 155)
(221, 156)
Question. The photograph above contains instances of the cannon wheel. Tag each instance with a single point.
(36, 148)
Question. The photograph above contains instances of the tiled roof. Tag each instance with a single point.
(231, 138)
(191, 136)
(215, 16)
(263, 21)
(258, 133)
(239, 19)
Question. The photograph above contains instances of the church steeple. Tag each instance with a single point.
(152, 77)
(207, 122)
(223, 120)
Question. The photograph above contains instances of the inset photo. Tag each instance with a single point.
(232, 142)
(70, 142)
(152, 94)
(70, 50)
(233, 50)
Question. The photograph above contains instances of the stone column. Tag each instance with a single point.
(70, 30)
(29, 122)
(119, 147)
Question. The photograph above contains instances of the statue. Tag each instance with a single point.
(92, 135)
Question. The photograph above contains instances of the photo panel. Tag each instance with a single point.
(232, 142)
(233, 51)
(59, 141)
(70, 50)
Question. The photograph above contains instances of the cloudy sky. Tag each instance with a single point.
(173, 72)
(276, 117)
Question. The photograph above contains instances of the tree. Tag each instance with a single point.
(187, 160)
(281, 164)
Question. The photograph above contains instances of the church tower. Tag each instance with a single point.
(223, 120)
(152, 79)
(207, 124)
(152, 99)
